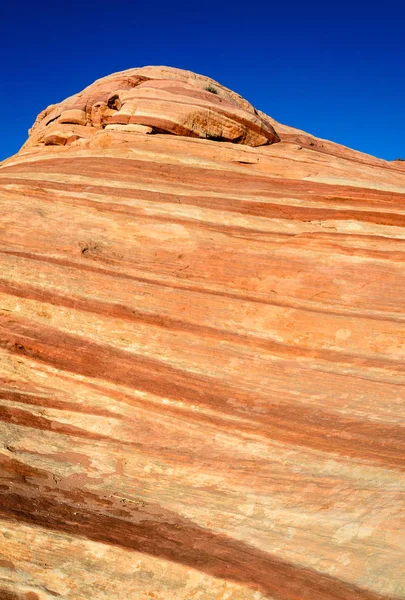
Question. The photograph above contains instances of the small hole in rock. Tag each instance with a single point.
(114, 102)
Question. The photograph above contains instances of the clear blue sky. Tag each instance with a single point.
(335, 69)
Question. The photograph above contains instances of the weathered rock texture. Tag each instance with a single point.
(164, 100)
(201, 375)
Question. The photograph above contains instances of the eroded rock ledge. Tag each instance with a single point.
(153, 100)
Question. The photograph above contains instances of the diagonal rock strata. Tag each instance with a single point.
(201, 354)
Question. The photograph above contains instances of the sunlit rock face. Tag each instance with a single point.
(163, 100)
(201, 354)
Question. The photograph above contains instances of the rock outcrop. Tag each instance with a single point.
(163, 100)
(201, 354)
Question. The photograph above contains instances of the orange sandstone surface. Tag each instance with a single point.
(202, 340)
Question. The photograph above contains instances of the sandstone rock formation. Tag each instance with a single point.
(202, 354)
(163, 100)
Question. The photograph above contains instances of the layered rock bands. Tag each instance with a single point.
(202, 384)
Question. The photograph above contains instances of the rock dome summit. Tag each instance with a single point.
(202, 341)
(153, 100)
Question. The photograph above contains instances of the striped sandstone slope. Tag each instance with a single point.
(201, 376)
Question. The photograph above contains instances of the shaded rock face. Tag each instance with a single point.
(201, 358)
(163, 100)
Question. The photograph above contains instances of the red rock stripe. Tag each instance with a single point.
(166, 322)
(369, 199)
(51, 402)
(329, 432)
(180, 454)
(266, 210)
(156, 531)
(173, 284)
(120, 169)
(24, 418)
(6, 594)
